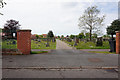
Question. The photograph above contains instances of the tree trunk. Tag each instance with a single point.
(112, 36)
(90, 34)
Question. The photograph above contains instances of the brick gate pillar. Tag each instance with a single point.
(24, 41)
(118, 42)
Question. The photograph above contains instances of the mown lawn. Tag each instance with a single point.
(42, 45)
(8, 44)
(34, 45)
(90, 45)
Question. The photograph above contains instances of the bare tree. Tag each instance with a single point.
(91, 21)
(2, 3)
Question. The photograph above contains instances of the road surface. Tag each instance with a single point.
(61, 64)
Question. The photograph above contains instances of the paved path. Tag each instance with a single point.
(80, 61)
(62, 45)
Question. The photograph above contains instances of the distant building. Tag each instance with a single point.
(44, 35)
(33, 36)
(56, 36)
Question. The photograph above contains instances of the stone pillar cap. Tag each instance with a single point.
(117, 31)
(24, 30)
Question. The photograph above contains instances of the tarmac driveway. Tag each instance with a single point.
(74, 59)
(61, 58)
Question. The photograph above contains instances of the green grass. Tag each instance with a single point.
(8, 44)
(90, 45)
(42, 45)
(38, 52)
(34, 45)
(102, 52)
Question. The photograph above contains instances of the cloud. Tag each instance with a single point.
(57, 15)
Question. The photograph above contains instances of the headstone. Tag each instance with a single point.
(75, 44)
(14, 42)
(99, 41)
(53, 40)
(38, 45)
(94, 40)
(39, 40)
(112, 43)
(47, 44)
(77, 40)
(49, 40)
(69, 40)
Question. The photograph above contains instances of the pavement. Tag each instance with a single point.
(84, 73)
(64, 62)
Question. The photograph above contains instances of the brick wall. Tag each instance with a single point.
(118, 42)
(24, 41)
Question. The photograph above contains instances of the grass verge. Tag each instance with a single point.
(89, 45)
(38, 52)
(102, 52)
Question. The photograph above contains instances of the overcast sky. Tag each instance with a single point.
(59, 16)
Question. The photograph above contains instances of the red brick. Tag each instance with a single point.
(118, 42)
(24, 41)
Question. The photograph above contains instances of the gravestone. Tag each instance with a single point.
(99, 41)
(39, 40)
(69, 40)
(75, 44)
(94, 40)
(47, 44)
(14, 42)
(53, 40)
(112, 43)
(38, 45)
(77, 40)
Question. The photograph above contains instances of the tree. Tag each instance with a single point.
(50, 34)
(62, 36)
(67, 36)
(37, 36)
(2, 3)
(41, 36)
(115, 26)
(11, 27)
(87, 35)
(90, 20)
(58, 36)
(106, 36)
(94, 35)
(81, 35)
(72, 36)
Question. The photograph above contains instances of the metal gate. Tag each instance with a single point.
(9, 42)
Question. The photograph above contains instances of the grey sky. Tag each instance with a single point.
(59, 16)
